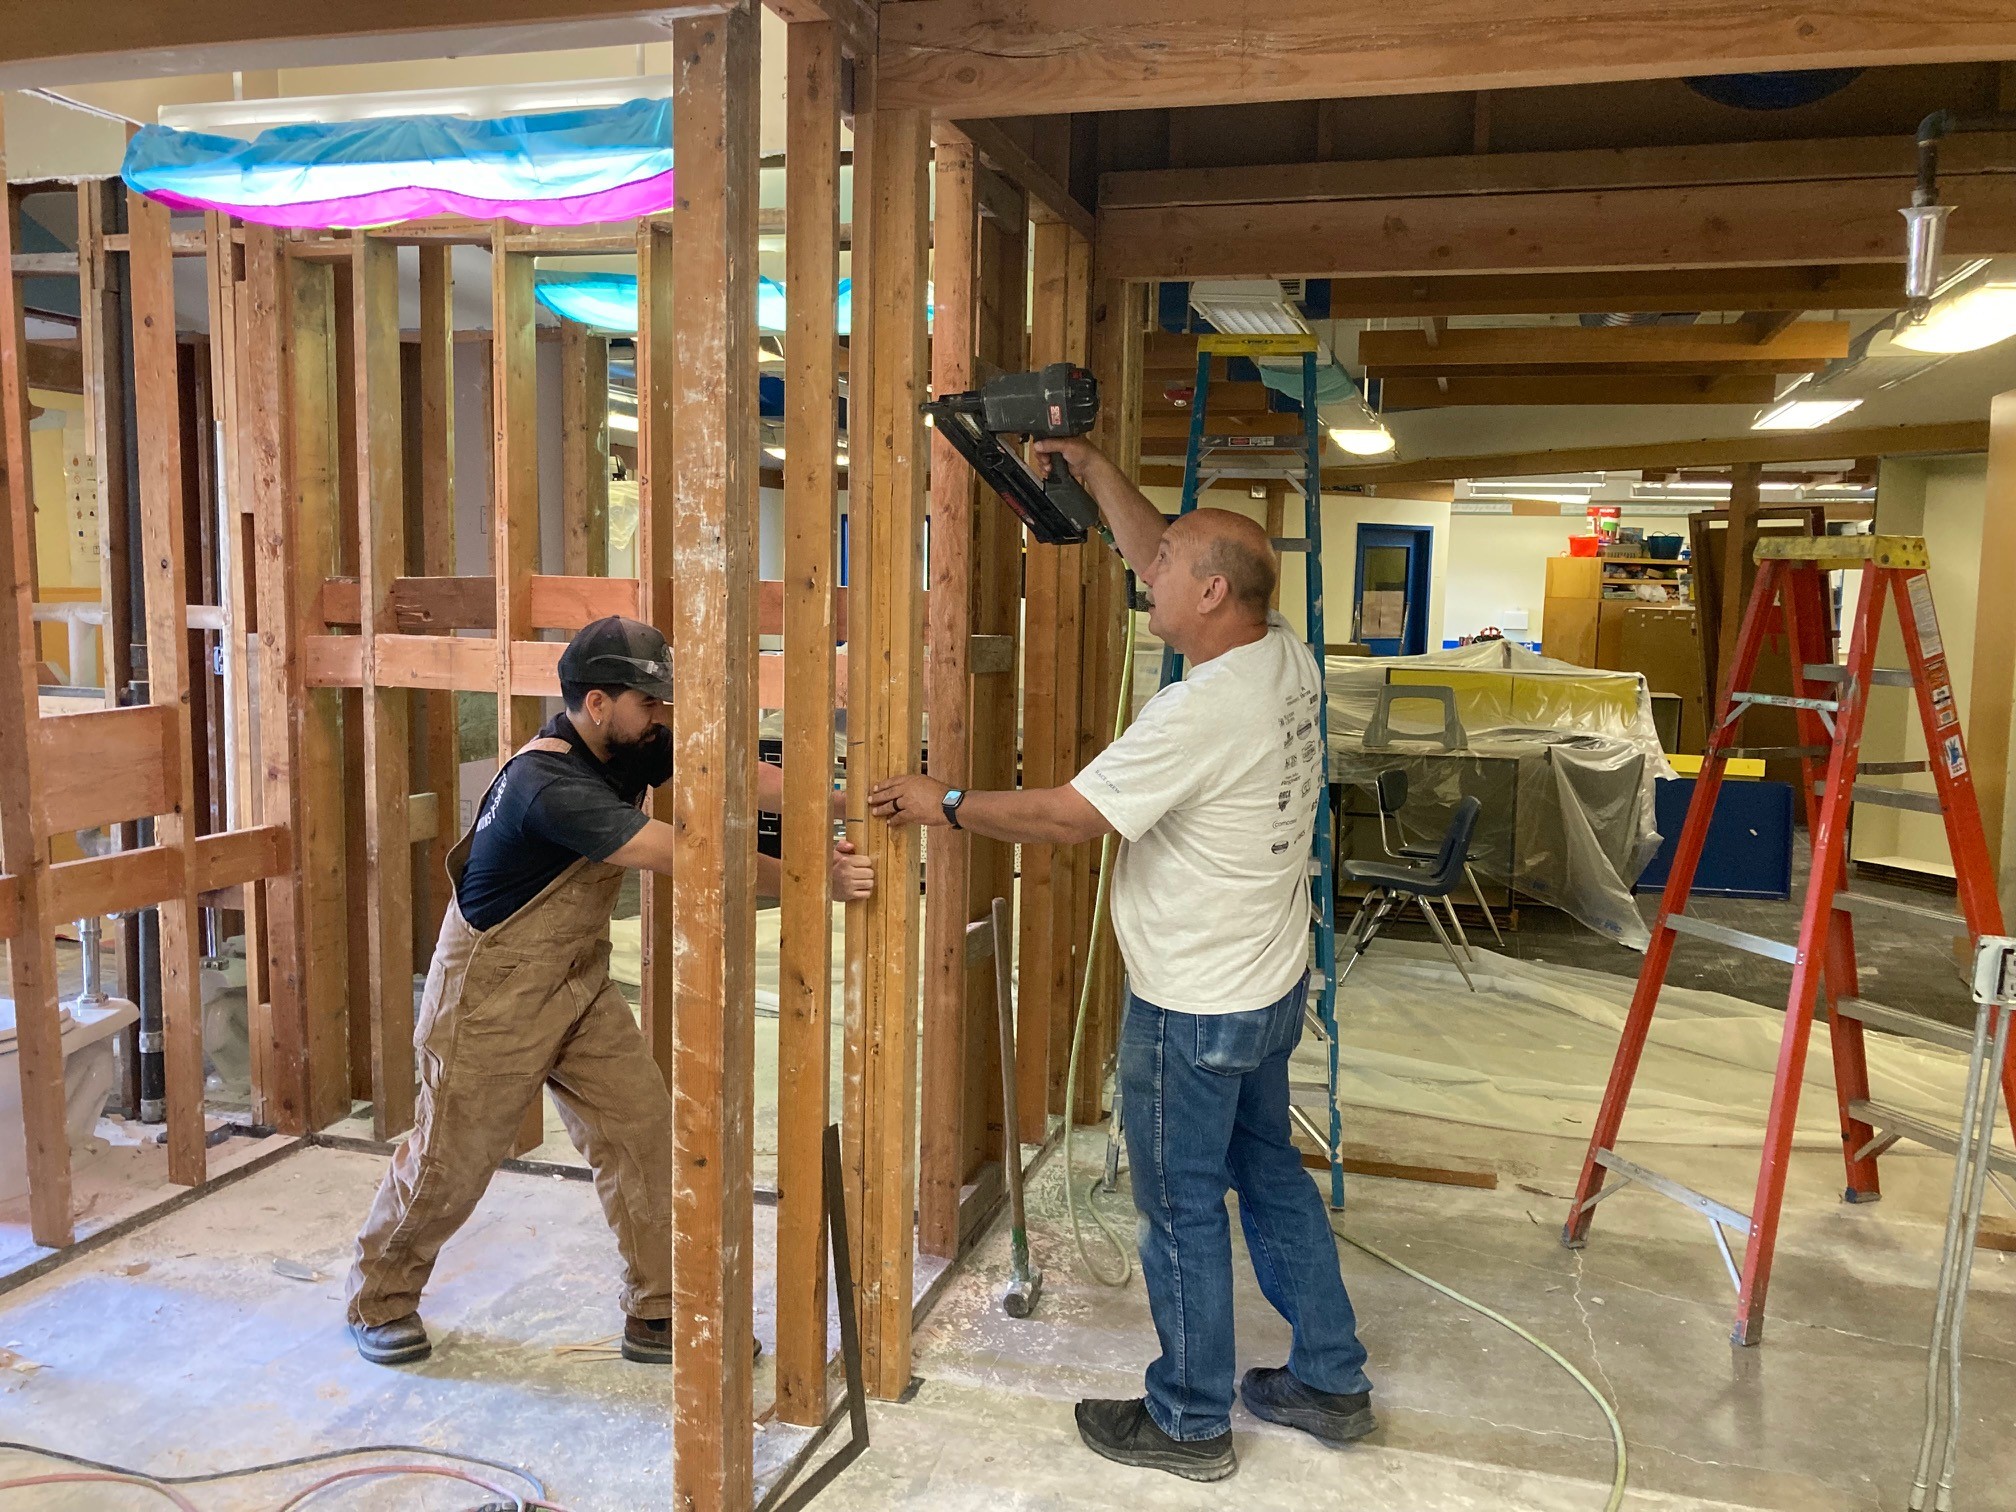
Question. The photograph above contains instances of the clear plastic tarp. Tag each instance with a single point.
(1563, 760)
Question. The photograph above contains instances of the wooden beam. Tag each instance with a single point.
(1751, 446)
(179, 37)
(584, 451)
(105, 767)
(441, 763)
(1812, 221)
(1401, 394)
(1705, 164)
(1739, 566)
(24, 852)
(1054, 56)
(99, 286)
(949, 627)
(1991, 694)
(1804, 347)
(811, 525)
(714, 505)
(884, 726)
(1854, 286)
(854, 22)
(164, 578)
(1041, 185)
(381, 534)
(657, 381)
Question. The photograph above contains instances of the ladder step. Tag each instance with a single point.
(1852, 902)
(1890, 768)
(1786, 701)
(1665, 1186)
(1292, 543)
(1910, 1025)
(1789, 753)
(1892, 1121)
(1309, 1094)
(1897, 798)
(1741, 939)
(1882, 677)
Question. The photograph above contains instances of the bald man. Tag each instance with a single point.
(1213, 790)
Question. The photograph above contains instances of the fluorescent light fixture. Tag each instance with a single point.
(618, 421)
(1247, 307)
(1982, 316)
(1803, 414)
(1538, 495)
(1363, 440)
(249, 117)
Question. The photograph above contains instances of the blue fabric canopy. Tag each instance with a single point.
(608, 301)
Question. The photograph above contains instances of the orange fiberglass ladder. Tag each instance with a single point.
(1831, 701)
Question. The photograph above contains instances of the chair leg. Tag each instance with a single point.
(1477, 892)
(1456, 923)
(1365, 924)
(1448, 944)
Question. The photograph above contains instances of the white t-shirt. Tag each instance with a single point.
(1213, 789)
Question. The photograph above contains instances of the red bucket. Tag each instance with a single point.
(1585, 545)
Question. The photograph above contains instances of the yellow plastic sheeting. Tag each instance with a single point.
(1497, 700)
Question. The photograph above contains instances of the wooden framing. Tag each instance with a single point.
(948, 904)
(584, 451)
(884, 727)
(433, 448)
(811, 521)
(1705, 226)
(714, 497)
(657, 360)
(1044, 57)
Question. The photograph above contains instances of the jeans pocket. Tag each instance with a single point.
(1233, 1044)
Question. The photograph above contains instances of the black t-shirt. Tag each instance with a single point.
(545, 811)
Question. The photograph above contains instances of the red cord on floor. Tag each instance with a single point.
(65, 1477)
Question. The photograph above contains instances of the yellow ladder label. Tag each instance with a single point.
(1221, 345)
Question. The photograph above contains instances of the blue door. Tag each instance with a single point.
(1389, 601)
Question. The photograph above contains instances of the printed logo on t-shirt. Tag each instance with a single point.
(496, 798)
(1301, 771)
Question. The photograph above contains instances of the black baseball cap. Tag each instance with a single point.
(619, 652)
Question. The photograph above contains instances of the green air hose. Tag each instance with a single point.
(1100, 900)
(1620, 1455)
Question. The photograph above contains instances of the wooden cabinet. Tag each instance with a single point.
(1568, 624)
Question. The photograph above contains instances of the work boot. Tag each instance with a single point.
(1279, 1398)
(1124, 1433)
(648, 1341)
(400, 1342)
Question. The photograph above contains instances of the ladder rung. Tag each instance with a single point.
(1308, 1094)
(1741, 939)
(1292, 543)
(1851, 902)
(1889, 1120)
(1882, 677)
(1317, 981)
(1786, 701)
(1789, 753)
(1897, 798)
(1891, 768)
(1911, 1025)
(1665, 1186)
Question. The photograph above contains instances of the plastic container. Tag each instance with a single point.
(1665, 548)
(1585, 545)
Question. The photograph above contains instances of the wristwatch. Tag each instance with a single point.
(951, 802)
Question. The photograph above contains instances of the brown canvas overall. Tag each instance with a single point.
(524, 1004)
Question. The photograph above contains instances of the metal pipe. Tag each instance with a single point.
(1984, 1136)
(1942, 1306)
(88, 940)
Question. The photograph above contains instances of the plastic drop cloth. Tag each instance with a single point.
(1562, 758)
(1531, 1049)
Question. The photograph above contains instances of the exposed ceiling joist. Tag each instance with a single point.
(1855, 286)
(1400, 394)
(1041, 57)
(1730, 225)
(53, 45)
(1752, 446)
(854, 20)
(1534, 172)
(1047, 193)
(1804, 347)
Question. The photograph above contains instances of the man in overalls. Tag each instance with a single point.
(518, 997)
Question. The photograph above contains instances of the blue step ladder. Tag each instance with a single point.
(1212, 456)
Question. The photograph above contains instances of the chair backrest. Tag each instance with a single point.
(1392, 791)
(1378, 731)
(1455, 851)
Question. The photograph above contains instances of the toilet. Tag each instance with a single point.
(89, 1070)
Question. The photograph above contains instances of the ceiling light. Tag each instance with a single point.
(1803, 414)
(1924, 233)
(1534, 495)
(618, 421)
(1982, 316)
(1363, 440)
(775, 453)
(1247, 307)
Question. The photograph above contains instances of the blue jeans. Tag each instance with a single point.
(1205, 1103)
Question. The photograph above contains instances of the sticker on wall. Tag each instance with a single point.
(1929, 644)
(1955, 757)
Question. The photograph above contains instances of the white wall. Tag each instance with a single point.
(1498, 563)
